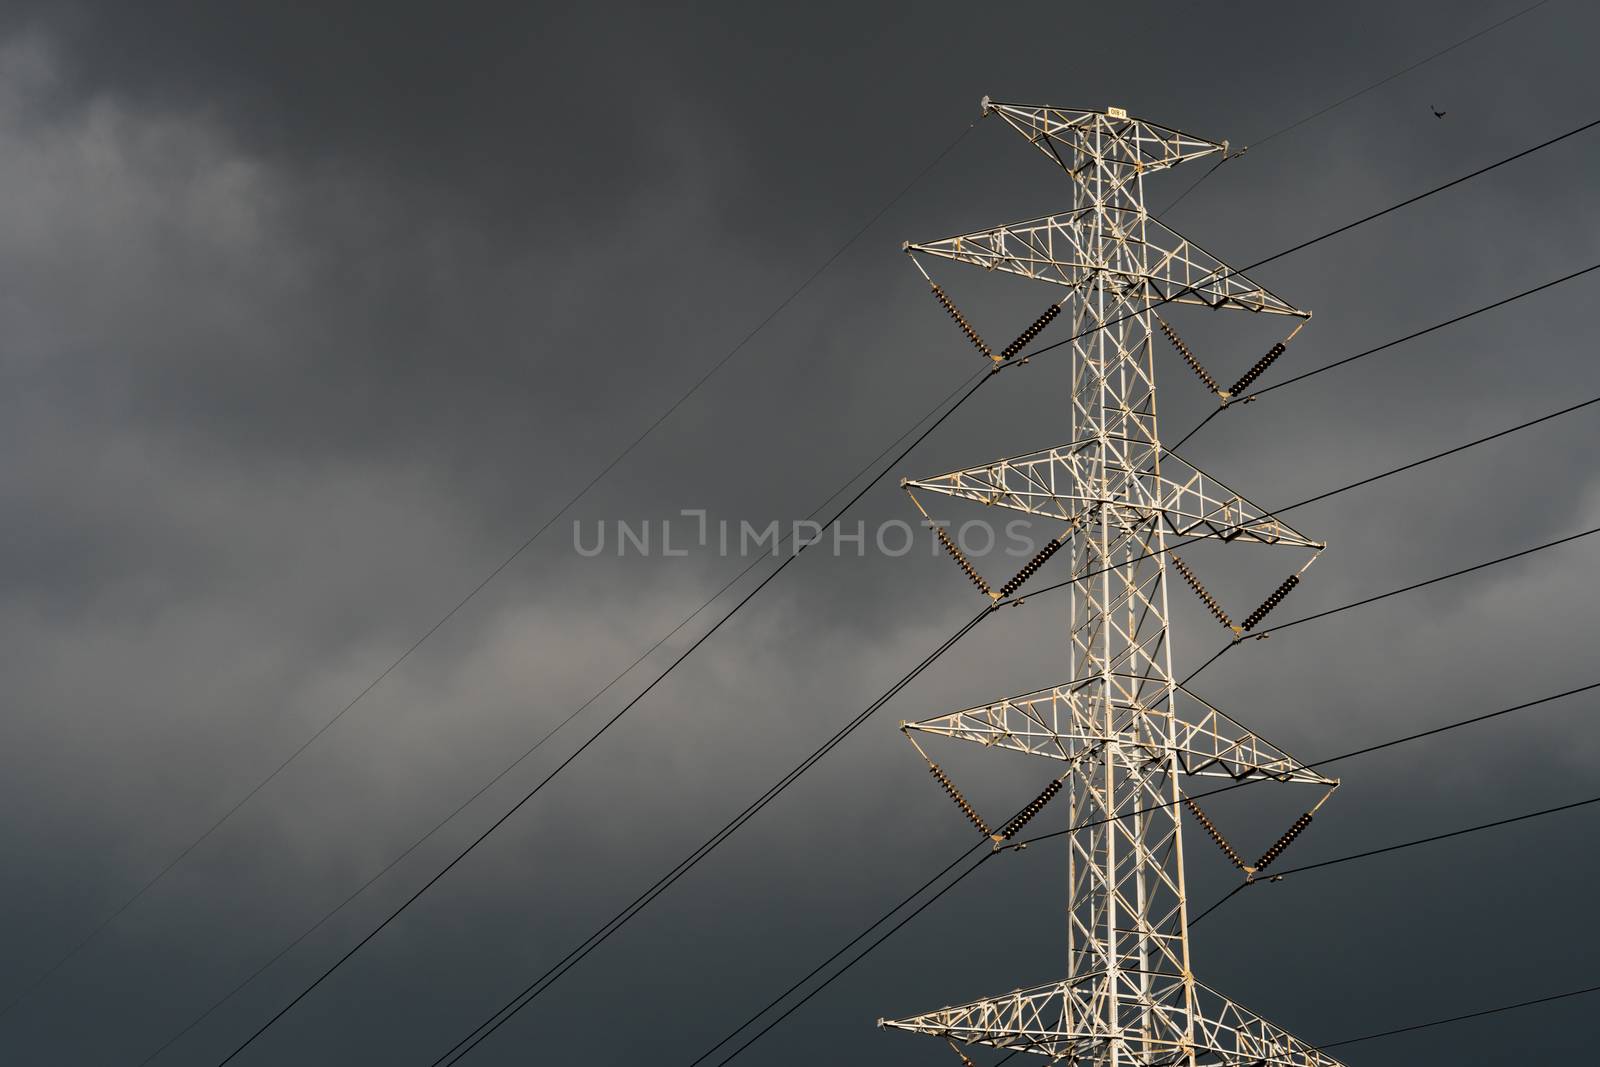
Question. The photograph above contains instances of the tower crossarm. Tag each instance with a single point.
(1078, 1021)
(1211, 743)
(1137, 256)
(1067, 136)
(1067, 722)
(1067, 483)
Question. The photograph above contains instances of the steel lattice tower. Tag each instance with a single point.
(1123, 731)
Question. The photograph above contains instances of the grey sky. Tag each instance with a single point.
(313, 313)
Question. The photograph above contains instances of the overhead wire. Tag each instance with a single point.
(1277, 876)
(531, 749)
(1313, 372)
(1427, 733)
(494, 573)
(534, 989)
(1176, 295)
(1145, 810)
(613, 720)
(1172, 204)
(1463, 1018)
(1336, 231)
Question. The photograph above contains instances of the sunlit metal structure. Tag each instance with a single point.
(1124, 734)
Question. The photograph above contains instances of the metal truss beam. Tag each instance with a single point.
(1124, 730)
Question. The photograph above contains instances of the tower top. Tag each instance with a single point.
(1110, 137)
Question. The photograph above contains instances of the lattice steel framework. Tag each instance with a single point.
(1123, 732)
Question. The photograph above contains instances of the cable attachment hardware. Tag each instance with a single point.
(1025, 816)
(961, 321)
(1216, 835)
(1029, 568)
(961, 561)
(1256, 371)
(1200, 591)
(961, 801)
(1271, 602)
(1188, 356)
(1029, 334)
(1283, 842)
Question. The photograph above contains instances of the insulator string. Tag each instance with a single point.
(960, 320)
(1272, 601)
(1200, 591)
(1029, 568)
(1025, 816)
(1024, 338)
(961, 802)
(1283, 842)
(961, 561)
(1188, 356)
(1257, 370)
(1216, 835)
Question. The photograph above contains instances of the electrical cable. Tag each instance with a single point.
(1374, 748)
(1426, 330)
(527, 995)
(1463, 1018)
(1336, 231)
(779, 569)
(1430, 581)
(1368, 854)
(487, 579)
(528, 752)
(1179, 293)
(593, 941)
(1234, 402)
(1391, 472)
(1315, 764)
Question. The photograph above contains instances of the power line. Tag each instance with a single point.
(529, 751)
(548, 978)
(1315, 764)
(846, 947)
(1349, 225)
(1431, 581)
(1463, 1018)
(779, 569)
(1391, 472)
(534, 989)
(1369, 600)
(1426, 330)
(1313, 372)
(1368, 352)
(1318, 764)
(758, 1035)
(1259, 634)
(492, 575)
(887, 915)
(595, 939)
(1369, 853)
(985, 378)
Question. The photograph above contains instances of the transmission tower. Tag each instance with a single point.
(1124, 734)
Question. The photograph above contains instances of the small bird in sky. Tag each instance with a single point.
(1436, 112)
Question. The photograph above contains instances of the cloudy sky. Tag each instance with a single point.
(313, 314)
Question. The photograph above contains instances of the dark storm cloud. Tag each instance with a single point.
(313, 312)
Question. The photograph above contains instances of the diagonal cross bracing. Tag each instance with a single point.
(1125, 731)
